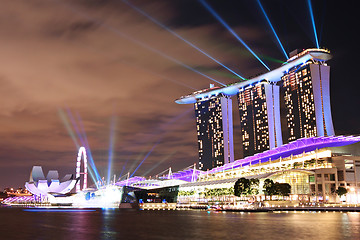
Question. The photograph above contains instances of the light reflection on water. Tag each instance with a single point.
(129, 224)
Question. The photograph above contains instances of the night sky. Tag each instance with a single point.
(103, 62)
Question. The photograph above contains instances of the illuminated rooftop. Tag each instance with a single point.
(294, 148)
(272, 76)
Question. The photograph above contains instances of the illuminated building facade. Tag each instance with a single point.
(215, 132)
(304, 80)
(259, 118)
(307, 101)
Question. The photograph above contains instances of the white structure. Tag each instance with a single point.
(82, 152)
(41, 186)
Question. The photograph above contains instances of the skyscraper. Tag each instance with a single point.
(215, 132)
(259, 117)
(304, 80)
(307, 101)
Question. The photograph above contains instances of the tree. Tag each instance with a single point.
(341, 191)
(245, 187)
(283, 189)
(254, 186)
(241, 186)
(269, 187)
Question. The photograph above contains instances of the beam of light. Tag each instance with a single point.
(313, 23)
(83, 143)
(123, 168)
(87, 145)
(177, 117)
(66, 123)
(147, 155)
(135, 41)
(160, 162)
(91, 169)
(82, 137)
(125, 176)
(157, 131)
(158, 75)
(174, 119)
(273, 30)
(217, 16)
(65, 120)
(111, 147)
(181, 38)
(139, 156)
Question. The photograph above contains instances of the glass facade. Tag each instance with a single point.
(209, 126)
(299, 103)
(299, 181)
(253, 120)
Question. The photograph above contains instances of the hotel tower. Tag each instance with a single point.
(259, 117)
(303, 80)
(214, 131)
(307, 100)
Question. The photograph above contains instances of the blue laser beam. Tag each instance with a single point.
(147, 155)
(181, 38)
(87, 146)
(313, 23)
(123, 168)
(159, 162)
(93, 171)
(133, 40)
(217, 16)
(156, 131)
(65, 120)
(273, 30)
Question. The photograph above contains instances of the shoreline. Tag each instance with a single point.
(205, 208)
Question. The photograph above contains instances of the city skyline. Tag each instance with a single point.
(60, 57)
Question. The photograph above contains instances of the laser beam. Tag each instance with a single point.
(87, 146)
(65, 120)
(138, 42)
(68, 127)
(147, 155)
(313, 23)
(158, 163)
(181, 38)
(272, 28)
(217, 16)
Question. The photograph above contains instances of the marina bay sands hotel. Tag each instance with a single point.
(276, 108)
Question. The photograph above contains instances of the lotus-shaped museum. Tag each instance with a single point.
(41, 186)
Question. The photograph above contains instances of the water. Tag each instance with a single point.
(15, 223)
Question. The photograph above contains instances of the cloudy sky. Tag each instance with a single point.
(106, 67)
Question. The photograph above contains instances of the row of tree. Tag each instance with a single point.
(250, 187)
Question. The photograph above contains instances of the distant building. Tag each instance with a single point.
(259, 118)
(214, 131)
(41, 186)
(307, 101)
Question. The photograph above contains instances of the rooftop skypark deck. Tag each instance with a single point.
(272, 76)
